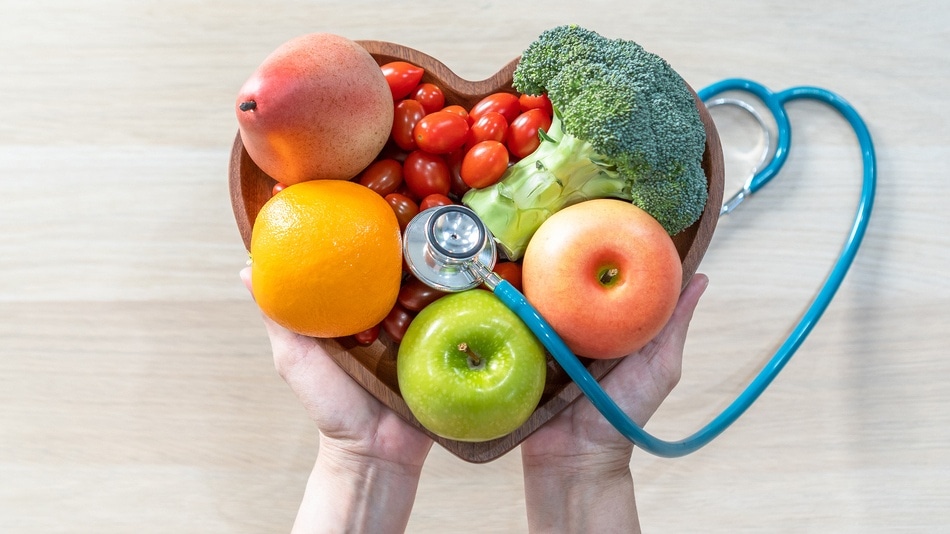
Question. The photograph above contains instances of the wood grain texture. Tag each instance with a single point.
(137, 389)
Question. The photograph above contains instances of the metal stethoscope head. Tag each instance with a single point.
(449, 248)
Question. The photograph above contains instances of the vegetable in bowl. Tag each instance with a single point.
(625, 126)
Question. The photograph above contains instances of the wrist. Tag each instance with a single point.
(580, 493)
(576, 459)
(342, 459)
(351, 492)
(585, 473)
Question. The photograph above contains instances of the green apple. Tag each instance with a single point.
(469, 369)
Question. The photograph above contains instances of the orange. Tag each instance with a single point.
(326, 258)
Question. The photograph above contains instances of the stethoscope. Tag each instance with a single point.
(450, 249)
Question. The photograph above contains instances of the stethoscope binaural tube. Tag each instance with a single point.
(589, 386)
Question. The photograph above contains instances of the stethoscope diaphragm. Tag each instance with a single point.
(442, 242)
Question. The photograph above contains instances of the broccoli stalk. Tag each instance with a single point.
(562, 171)
(625, 126)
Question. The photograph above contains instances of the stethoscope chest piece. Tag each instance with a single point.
(440, 244)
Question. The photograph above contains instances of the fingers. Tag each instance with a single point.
(669, 344)
(690, 297)
(672, 339)
(673, 336)
(246, 278)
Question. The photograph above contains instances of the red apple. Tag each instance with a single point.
(605, 274)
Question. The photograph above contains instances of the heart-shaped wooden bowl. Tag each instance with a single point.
(374, 367)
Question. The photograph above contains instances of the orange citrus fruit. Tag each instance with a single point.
(326, 258)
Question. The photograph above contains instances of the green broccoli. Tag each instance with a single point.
(625, 126)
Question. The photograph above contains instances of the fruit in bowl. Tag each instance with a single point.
(341, 275)
(372, 361)
(469, 369)
(605, 297)
(318, 107)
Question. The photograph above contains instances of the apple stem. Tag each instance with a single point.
(473, 358)
(248, 106)
(609, 275)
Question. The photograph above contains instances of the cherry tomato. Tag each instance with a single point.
(523, 133)
(415, 295)
(433, 200)
(458, 187)
(425, 174)
(402, 77)
(405, 116)
(458, 110)
(484, 164)
(403, 189)
(491, 126)
(440, 132)
(382, 176)
(430, 96)
(510, 271)
(536, 102)
(278, 187)
(404, 207)
(367, 337)
(397, 322)
(505, 103)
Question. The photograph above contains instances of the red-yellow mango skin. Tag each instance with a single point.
(323, 110)
(561, 273)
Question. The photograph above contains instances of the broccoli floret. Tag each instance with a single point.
(626, 126)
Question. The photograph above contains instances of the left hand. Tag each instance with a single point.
(352, 422)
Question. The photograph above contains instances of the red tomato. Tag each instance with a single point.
(440, 132)
(278, 187)
(433, 200)
(425, 174)
(403, 189)
(382, 176)
(510, 271)
(402, 77)
(454, 159)
(397, 322)
(430, 96)
(536, 102)
(491, 126)
(405, 116)
(404, 207)
(458, 110)
(505, 103)
(367, 337)
(415, 295)
(523, 133)
(484, 164)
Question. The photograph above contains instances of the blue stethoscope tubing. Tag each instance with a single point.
(775, 101)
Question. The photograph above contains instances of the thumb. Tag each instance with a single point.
(672, 339)
(686, 305)
(246, 278)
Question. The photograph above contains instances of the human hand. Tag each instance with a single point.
(364, 445)
(579, 452)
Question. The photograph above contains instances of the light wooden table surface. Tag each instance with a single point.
(137, 392)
